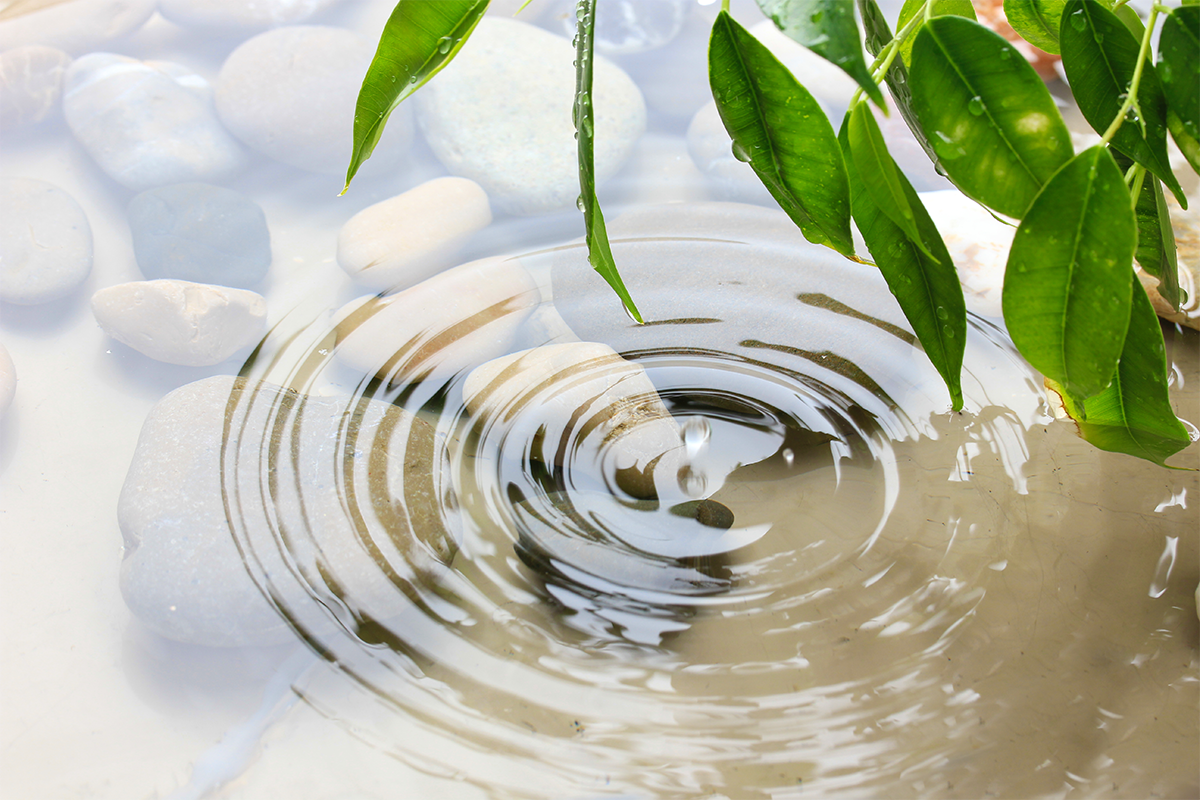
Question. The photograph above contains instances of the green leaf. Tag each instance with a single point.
(1069, 274)
(1156, 252)
(1036, 21)
(419, 39)
(599, 253)
(1099, 55)
(1179, 65)
(779, 128)
(1134, 415)
(827, 28)
(1186, 142)
(993, 125)
(941, 8)
(878, 172)
(926, 286)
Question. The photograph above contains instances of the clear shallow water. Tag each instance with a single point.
(925, 605)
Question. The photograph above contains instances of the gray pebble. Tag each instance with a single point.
(45, 242)
(202, 233)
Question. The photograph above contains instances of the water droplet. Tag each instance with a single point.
(817, 16)
(943, 313)
(1162, 572)
(695, 433)
(1005, 54)
(975, 105)
(1078, 21)
(740, 153)
(579, 203)
(948, 332)
(1099, 37)
(789, 457)
(444, 44)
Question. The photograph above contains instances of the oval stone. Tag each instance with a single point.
(45, 242)
(30, 84)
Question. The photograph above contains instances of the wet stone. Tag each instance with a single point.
(30, 84)
(179, 322)
(76, 26)
(238, 15)
(500, 114)
(147, 124)
(45, 242)
(183, 573)
(402, 241)
(202, 233)
(290, 93)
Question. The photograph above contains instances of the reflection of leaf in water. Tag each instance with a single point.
(831, 361)
(18, 8)
(829, 304)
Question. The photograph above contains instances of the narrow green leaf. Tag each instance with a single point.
(1188, 145)
(941, 8)
(1134, 415)
(779, 128)
(1099, 55)
(1179, 65)
(1036, 21)
(926, 286)
(878, 172)
(419, 39)
(1156, 252)
(992, 123)
(1069, 274)
(599, 253)
(827, 28)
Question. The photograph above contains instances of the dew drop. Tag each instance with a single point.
(740, 153)
(789, 457)
(975, 105)
(580, 204)
(816, 16)
(1078, 22)
(943, 313)
(444, 44)
(695, 433)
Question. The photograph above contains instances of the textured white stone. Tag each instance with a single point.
(183, 575)
(500, 114)
(45, 242)
(179, 322)
(290, 93)
(447, 324)
(8, 379)
(402, 241)
(30, 83)
(77, 26)
(147, 124)
(239, 14)
(977, 242)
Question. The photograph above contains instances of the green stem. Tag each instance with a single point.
(725, 6)
(883, 62)
(1134, 83)
(1135, 186)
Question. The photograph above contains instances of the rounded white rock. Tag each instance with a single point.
(290, 93)
(30, 83)
(179, 322)
(402, 241)
(45, 242)
(238, 15)
(8, 379)
(77, 26)
(500, 114)
(147, 124)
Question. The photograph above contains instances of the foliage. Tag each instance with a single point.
(1071, 302)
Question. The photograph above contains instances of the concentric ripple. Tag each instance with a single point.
(731, 561)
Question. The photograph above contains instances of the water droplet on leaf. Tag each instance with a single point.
(975, 105)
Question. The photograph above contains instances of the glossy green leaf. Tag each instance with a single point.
(1179, 65)
(779, 128)
(1099, 55)
(1127, 15)
(926, 286)
(1188, 144)
(1156, 252)
(993, 125)
(1134, 415)
(941, 8)
(599, 252)
(827, 28)
(419, 39)
(878, 172)
(1069, 274)
(1036, 21)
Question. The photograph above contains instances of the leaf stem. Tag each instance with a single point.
(1138, 174)
(1131, 94)
(883, 62)
(725, 6)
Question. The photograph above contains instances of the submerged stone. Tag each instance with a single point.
(230, 558)
(198, 232)
(45, 242)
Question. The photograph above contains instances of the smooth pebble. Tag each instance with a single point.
(45, 242)
(183, 574)
(711, 149)
(30, 84)
(447, 324)
(199, 232)
(179, 322)
(239, 15)
(977, 242)
(147, 124)
(402, 241)
(500, 114)
(8, 379)
(76, 26)
(290, 94)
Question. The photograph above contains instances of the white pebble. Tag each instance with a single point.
(147, 124)
(500, 114)
(447, 324)
(45, 242)
(290, 95)
(977, 242)
(402, 241)
(30, 84)
(179, 322)
(77, 26)
(235, 15)
(8, 379)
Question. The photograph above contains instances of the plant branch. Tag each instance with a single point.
(1131, 94)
